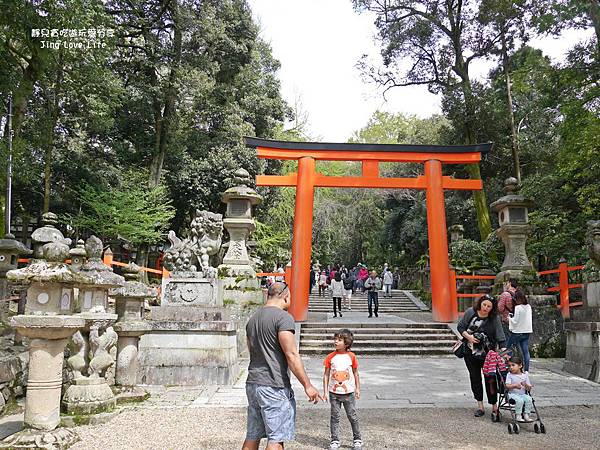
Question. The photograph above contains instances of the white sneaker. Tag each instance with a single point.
(520, 418)
(334, 445)
(526, 418)
(357, 445)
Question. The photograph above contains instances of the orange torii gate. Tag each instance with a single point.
(444, 307)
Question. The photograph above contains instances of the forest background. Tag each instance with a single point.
(127, 140)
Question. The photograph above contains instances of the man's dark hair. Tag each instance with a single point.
(276, 289)
(346, 335)
(514, 282)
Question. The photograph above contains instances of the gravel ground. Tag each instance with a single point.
(573, 427)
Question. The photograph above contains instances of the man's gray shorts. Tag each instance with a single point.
(271, 413)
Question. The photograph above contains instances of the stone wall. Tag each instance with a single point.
(13, 375)
(548, 339)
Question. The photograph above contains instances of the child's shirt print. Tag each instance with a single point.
(341, 375)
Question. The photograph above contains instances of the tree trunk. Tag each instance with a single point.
(513, 129)
(165, 118)
(52, 103)
(595, 18)
(484, 223)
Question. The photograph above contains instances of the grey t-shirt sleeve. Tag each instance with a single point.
(286, 323)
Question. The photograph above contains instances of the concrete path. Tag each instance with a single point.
(398, 383)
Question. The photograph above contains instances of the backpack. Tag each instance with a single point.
(348, 283)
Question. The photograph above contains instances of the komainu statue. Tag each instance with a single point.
(592, 239)
(192, 254)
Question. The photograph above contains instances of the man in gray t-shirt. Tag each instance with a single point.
(273, 351)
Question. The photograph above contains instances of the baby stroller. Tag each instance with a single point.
(496, 373)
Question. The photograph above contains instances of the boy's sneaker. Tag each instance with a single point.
(357, 445)
(334, 445)
(526, 418)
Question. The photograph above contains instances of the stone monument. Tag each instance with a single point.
(192, 340)
(456, 232)
(583, 331)
(48, 324)
(92, 347)
(130, 326)
(514, 230)
(78, 255)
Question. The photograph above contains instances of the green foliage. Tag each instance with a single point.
(468, 255)
(131, 212)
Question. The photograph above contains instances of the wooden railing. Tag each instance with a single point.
(563, 287)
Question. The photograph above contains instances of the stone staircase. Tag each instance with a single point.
(399, 303)
(380, 338)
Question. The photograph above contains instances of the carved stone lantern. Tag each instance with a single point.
(456, 232)
(512, 210)
(46, 233)
(10, 250)
(78, 255)
(94, 297)
(239, 223)
(130, 326)
(48, 326)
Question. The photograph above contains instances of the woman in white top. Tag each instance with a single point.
(520, 325)
(337, 291)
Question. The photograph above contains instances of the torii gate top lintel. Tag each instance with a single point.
(450, 154)
(433, 157)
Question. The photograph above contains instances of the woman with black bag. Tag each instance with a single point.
(481, 330)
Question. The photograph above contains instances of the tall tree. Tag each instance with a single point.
(441, 39)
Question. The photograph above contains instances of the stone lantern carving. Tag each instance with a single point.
(10, 250)
(514, 230)
(78, 255)
(94, 298)
(456, 232)
(46, 233)
(92, 348)
(48, 325)
(239, 223)
(130, 326)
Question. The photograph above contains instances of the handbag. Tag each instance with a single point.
(459, 349)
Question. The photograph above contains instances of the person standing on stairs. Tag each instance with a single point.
(372, 286)
(388, 280)
(337, 292)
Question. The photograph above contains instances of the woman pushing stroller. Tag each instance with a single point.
(481, 330)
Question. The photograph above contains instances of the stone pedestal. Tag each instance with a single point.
(88, 396)
(191, 289)
(49, 336)
(583, 336)
(189, 346)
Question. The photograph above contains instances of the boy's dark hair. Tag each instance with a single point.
(347, 337)
(516, 360)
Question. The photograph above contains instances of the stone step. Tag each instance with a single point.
(373, 325)
(374, 331)
(391, 351)
(446, 343)
(377, 338)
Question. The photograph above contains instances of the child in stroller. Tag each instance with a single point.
(514, 388)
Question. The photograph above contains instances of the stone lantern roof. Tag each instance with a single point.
(46, 233)
(79, 250)
(10, 245)
(133, 287)
(241, 179)
(51, 269)
(512, 197)
(94, 268)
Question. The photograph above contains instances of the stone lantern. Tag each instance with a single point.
(456, 232)
(78, 255)
(10, 250)
(512, 210)
(130, 326)
(94, 297)
(92, 348)
(239, 223)
(48, 325)
(46, 233)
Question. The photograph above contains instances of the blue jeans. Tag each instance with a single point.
(521, 340)
(373, 298)
(271, 413)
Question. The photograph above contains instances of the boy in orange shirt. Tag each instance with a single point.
(341, 384)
